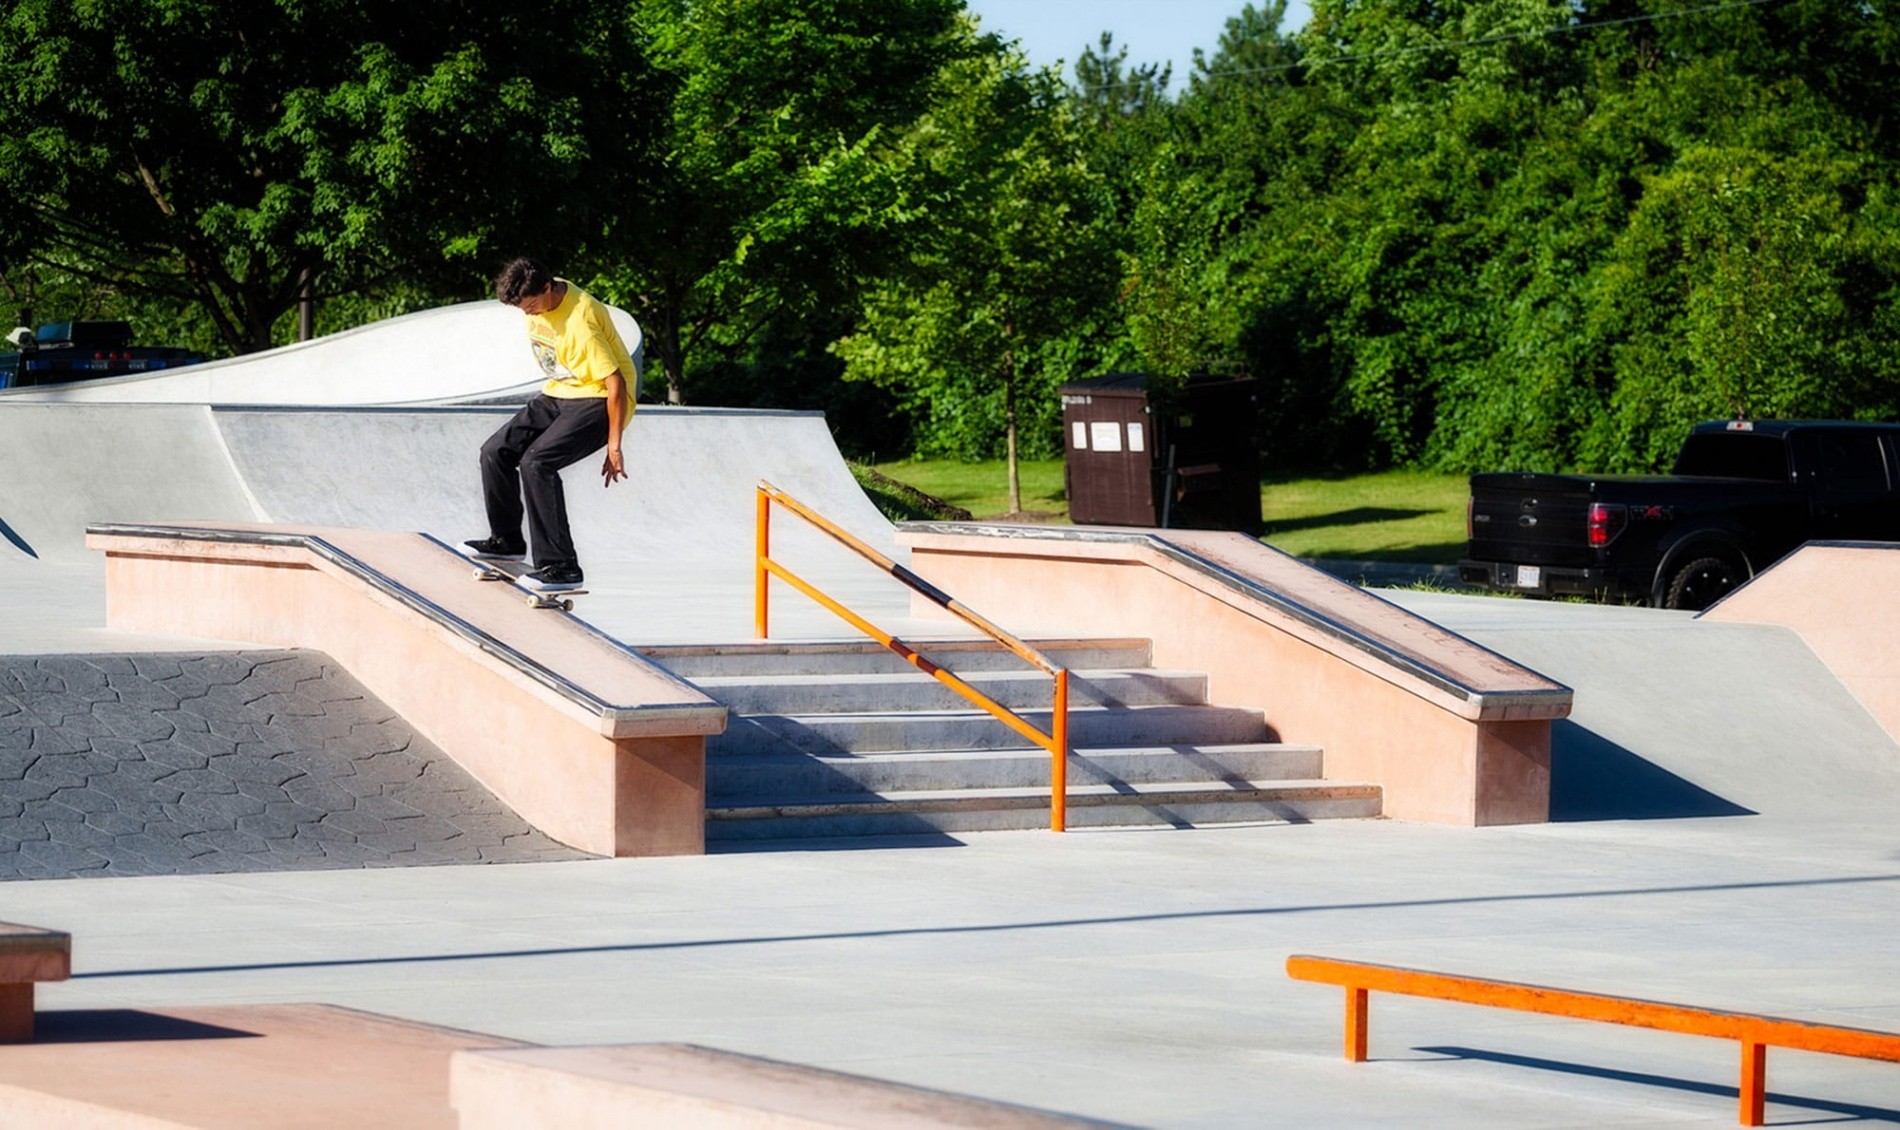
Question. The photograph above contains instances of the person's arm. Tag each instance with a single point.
(615, 467)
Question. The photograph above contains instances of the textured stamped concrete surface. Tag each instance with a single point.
(230, 762)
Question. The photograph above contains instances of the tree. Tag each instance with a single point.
(982, 323)
(239, 157)
(765, 197)
(1233, 241)
(1112, 92)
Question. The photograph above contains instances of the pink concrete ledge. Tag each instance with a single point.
(680, 1085)
(1843, 600)
(28, 955)
(1451, 731)
(288, 1067)
(589, 742)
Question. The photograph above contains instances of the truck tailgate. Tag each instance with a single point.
(1530, 519)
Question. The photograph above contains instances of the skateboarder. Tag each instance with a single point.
(584, 405)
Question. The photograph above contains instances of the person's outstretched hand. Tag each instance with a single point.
(613, 468)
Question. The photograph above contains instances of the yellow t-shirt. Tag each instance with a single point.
(577, 346)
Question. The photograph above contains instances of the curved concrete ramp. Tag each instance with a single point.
(255, 761)
(689, 494)
(473, 352)
(668, 552)
(62, 466)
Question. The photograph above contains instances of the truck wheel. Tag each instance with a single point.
(1702, 581)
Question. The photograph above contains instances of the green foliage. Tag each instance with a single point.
(189, 153)
(1475, 234)
(980, 326)
(1442, 234)
(766, 197)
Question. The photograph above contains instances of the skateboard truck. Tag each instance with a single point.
(511, 572)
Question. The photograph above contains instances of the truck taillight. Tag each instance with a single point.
(1607, 520)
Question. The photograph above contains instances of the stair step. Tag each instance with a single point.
(972, 810)
(914, 690)
(738, 780)
(841, 657)
(976, 729)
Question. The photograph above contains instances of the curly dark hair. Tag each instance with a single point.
(521, 278)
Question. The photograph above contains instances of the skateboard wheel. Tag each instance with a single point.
(567, 606)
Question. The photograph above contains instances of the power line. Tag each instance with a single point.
(1461, 44)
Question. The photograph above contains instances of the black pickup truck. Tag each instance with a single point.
(1742, 494)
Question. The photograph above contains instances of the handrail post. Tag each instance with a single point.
(1059, 756)
(1755, 1034)
(1754, 1088)
(762, 551)
(1356, 1023)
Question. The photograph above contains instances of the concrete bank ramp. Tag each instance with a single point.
(1683, 717)
(473, 352)
(249, 761)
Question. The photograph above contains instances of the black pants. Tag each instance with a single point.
(525, 456)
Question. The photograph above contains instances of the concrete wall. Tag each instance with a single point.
(1452, 733)
(631, 782)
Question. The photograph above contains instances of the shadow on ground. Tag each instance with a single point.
(1844, 1110)
(1594, 778)
(1376, 907)
(122, 1025)
(1420, 556)
(1357, 516)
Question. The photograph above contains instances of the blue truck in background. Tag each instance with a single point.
(63, 352)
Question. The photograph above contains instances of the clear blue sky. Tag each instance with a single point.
(1155, 31)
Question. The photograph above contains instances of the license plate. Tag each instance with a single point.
(1529, 576)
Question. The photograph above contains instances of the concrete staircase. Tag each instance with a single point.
(846, 739)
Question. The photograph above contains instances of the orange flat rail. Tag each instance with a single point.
(1056, 741)
(1756, 1034)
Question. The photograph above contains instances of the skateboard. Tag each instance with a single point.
(512, 571)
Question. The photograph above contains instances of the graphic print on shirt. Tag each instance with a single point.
(545, 357)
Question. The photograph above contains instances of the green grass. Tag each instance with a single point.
(983, 488)
(1389, 516)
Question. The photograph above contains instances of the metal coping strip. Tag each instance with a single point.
(1823, 543)
(408, 597)
(1327, 625)
(603, 638)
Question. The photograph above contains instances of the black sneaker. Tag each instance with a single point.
(495, 549)
(554, 578)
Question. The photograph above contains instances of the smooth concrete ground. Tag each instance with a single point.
(1129, 975)
(1137, 975)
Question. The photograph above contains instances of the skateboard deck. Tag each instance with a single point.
(513, 571)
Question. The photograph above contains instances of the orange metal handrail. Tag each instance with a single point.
(1756, 1034)
(1056, 741)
